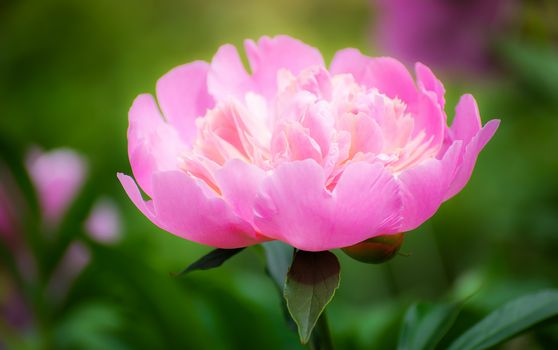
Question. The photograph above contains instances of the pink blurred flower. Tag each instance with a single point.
(316, 158)
(57, 176)
(104, 224)
(450, 34)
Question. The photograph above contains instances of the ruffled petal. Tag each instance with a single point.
(183, 96)
(391, 78)
(292, 142)
(470, 156)
(386, 74)
(423, 187)
(153, 145)
(269, 55)
(293, 205)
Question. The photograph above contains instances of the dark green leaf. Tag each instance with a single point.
(509, 320)
(310, 286)
(425, 324)
(278, 257)
(213, 259)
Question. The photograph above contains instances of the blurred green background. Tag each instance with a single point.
(69, 71)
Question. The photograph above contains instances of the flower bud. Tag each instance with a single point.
(376, 250)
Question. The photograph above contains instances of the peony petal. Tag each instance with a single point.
(367, 135)
(227, 76)
(239, 182)
(132, 190)
(184, 209)
(470, 157)
(386, 74)
(391, 78)
(153, 145)
(423, 187)
(294, 206)
(291, 141)
(269, 55)
(368, 204)
(427, 80)
(318, 121)
(181, 207)
(467, 122)
(183, 96)
(429, 118)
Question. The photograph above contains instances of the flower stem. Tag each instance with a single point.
(321, 337)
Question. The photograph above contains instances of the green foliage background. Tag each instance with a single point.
(69, 71)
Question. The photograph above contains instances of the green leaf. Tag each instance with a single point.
(310, 286)
(425, 324)
(509, 320)
(213, 259)
(278, 256)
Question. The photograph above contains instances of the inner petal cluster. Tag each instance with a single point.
(314, 115)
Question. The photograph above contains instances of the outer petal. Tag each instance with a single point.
(183, 96)
(470, 157)
(270, 55)
(467, 122)
(153, 145)
(368, 204)
(294, 206)
(227, 76)
(427, 80)
(146, 207)
(423, 187)
(181, 207)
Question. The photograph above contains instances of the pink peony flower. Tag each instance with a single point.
(57, 176)
(318, 158)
